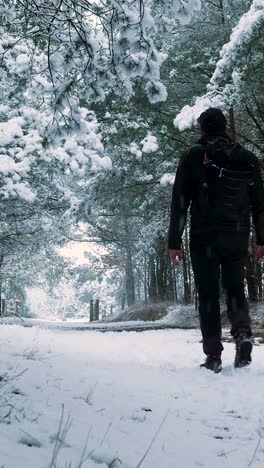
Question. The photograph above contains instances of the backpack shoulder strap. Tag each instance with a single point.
(206, 159)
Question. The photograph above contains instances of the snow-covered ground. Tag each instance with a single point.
(177, 316)
(125, 399)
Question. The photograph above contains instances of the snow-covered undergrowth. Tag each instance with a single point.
(125, 399)
(153, 312)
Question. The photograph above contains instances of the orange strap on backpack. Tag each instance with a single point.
(206, 159)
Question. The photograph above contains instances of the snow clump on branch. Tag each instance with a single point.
(167, 180)
(149, 144)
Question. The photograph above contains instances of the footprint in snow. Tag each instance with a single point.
(29, 440)
(233, 414)
(222, 433)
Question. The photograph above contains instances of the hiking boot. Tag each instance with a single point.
(213, 363)
(244, 347)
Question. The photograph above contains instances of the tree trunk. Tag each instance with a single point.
(171, 293)
(251, 275)
(259, 281)
(138, 278)
(152, 279)
(161, 268)
(96, 310)
(175, 284)
(145, 280)
(130, 282)
(91, 310)
(187, 289)
(123, 301)
(1, 264)
(221, 6)
(188, 262)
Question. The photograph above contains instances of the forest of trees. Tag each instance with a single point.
(98, 102)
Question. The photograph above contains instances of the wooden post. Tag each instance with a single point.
(91, 311)
(111, 310)
(96, 310)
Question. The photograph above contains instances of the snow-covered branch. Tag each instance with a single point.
(98, 46)
(221, 91)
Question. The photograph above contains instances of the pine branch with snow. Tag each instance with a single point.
(224, 87)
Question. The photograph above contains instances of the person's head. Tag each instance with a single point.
(212, 122)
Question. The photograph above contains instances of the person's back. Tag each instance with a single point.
(221, 181)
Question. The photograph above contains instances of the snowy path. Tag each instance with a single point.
(118, 389)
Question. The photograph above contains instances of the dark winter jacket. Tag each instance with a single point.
(187, 192)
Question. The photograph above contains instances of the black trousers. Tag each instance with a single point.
(210, 253)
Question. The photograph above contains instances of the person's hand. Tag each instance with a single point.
(176, 257)
(260, 253)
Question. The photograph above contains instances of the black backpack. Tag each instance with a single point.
(225, 184)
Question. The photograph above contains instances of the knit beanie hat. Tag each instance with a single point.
(212, 121)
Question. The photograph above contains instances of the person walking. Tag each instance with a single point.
(220, 181)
